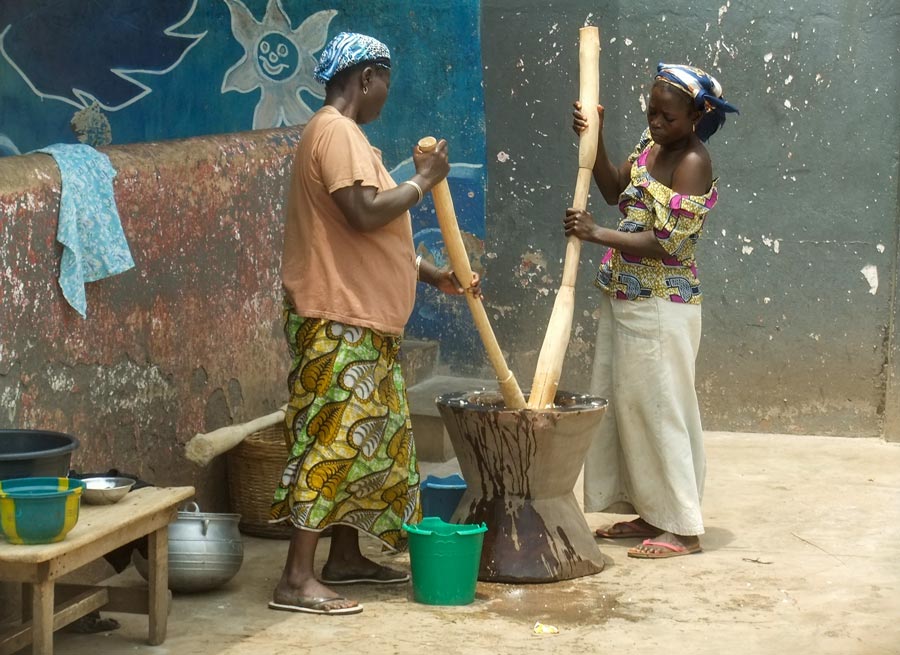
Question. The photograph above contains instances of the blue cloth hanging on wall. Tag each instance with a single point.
(90, 231)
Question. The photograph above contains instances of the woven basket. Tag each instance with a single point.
(254, 468)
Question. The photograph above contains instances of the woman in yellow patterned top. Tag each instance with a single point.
(648, 458)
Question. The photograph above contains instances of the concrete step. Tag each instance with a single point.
(432, 440)
(418, 359)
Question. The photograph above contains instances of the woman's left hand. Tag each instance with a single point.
(579, 223)
(448, 283)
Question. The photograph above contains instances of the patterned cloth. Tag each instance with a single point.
(677, 221)
(348, 49)
(353, 460)
(706, 92)
(94, 245)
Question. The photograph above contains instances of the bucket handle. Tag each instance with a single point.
(465, 530)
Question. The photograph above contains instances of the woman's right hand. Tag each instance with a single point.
(580, 121)
(434, 166)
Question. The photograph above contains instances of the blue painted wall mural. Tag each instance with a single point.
(126, 71)
(95, 56)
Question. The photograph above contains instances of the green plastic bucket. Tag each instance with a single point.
(444, 559)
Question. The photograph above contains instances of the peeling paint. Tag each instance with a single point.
(132, 381)
(870, 272)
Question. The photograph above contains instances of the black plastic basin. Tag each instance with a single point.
(35, 453)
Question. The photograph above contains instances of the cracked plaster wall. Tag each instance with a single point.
(187, 341)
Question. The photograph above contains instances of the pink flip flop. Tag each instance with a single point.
(671, 550)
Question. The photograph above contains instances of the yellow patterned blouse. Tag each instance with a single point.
(677, 221)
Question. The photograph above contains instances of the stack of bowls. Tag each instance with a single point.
(39, 510)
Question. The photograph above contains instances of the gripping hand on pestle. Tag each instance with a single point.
(431, 166)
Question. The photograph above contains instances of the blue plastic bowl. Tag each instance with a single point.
(39, 510)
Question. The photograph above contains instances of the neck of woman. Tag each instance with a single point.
(346, 106)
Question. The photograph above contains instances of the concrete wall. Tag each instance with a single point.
(189, 340)
(798, 335)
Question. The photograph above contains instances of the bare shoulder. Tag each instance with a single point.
(693, 175)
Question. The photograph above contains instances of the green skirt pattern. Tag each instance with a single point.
(352, 458)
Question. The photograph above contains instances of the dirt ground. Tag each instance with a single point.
(801, 554)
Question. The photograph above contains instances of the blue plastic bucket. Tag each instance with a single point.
(444, 559)
(440, 496)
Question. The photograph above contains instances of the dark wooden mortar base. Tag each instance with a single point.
(520, 468)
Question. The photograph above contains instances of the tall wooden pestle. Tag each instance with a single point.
(459, 259)
(556, 340)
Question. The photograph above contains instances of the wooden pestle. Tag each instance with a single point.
(556, 340)
(459, 259)
(202, 448)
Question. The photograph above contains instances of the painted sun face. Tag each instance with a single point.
(277, 56)
(277, 60)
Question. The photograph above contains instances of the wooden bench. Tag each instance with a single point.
(100, 529)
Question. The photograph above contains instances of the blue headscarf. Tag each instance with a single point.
(348, 49)
(706, 92)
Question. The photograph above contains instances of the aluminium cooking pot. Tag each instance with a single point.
(205, 550)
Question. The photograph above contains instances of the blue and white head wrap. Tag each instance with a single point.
(706, 92)
(348, 49)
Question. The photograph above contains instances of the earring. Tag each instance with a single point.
(365, 90)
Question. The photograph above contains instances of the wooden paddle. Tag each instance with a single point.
(459, 259)
(556, 340)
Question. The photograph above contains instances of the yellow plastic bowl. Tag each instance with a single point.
(39, 510)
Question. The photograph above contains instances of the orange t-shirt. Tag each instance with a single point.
(329, 269)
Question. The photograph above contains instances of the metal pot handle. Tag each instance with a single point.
(196, 510)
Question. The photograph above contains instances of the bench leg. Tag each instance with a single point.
(42, 618)
(158, 573)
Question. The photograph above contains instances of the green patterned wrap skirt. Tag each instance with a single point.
(352, 458)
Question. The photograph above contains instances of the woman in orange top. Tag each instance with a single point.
(349, 272)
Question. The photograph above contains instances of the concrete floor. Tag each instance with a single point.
(801, 556)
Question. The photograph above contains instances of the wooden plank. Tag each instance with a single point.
(128, 600)
(158, 574)
(99, 530)
(81, 604)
